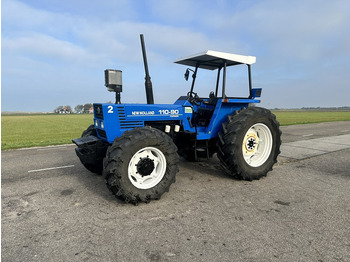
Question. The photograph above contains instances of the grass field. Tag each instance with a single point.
(289, 117)
(42, 130)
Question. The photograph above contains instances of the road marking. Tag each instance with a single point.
(344, 130)
(308, 135)
(44, 147)
(49, 168)
(52, 148)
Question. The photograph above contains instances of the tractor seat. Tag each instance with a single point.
(212, 99)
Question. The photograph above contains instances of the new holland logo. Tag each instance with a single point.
(142, 113)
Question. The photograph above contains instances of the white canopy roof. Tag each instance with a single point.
(213, 59)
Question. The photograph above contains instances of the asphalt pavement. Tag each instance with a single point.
(53, 209)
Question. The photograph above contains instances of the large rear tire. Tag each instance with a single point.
(141, 165)
(249, 143)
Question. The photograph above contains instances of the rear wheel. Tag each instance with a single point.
(141, 165)
(249, 143)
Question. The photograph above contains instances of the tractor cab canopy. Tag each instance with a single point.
(212, 60)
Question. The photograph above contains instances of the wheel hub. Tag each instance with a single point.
(145, 166)
(257, 145)
(250, 143)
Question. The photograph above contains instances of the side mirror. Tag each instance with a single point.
(187, 74)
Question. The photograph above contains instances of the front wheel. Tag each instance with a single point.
(249, 143)
(147, 167)
(141, 165)
(95, 164)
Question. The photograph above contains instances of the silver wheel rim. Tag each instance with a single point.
(147, 179)
(257, 145)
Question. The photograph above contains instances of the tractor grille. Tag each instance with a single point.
(130, 124)
(126, 124)
(98, 111)
(121, 113)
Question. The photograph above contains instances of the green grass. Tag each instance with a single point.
(294, 117)
(18, 131)
(41, 130)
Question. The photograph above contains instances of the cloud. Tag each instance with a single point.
(301, 49)
(42, 45)
(34, 29)
(58, 55)
(302, 46)
(299, 30)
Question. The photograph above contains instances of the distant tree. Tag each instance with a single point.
(87, 107)
(79, 108)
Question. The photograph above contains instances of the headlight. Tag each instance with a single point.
(96, 123)
(102, 125)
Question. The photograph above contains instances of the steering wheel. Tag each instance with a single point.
(193, 98)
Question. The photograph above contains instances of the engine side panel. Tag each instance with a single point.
(112, 120)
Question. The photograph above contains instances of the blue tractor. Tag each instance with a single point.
(137, 146)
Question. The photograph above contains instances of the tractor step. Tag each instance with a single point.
(201, 148)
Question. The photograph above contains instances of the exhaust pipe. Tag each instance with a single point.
(148, 82)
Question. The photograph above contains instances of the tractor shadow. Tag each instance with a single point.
(204, 170)
(205, 167)
(94, 183)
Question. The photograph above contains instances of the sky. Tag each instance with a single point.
(54, 52)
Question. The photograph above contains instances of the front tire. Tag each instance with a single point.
(249, 143)
(141, 165)
(90, 131)
(97, 166)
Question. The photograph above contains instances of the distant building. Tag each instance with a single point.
(64, 110)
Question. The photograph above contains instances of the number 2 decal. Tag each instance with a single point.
(110, 109)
